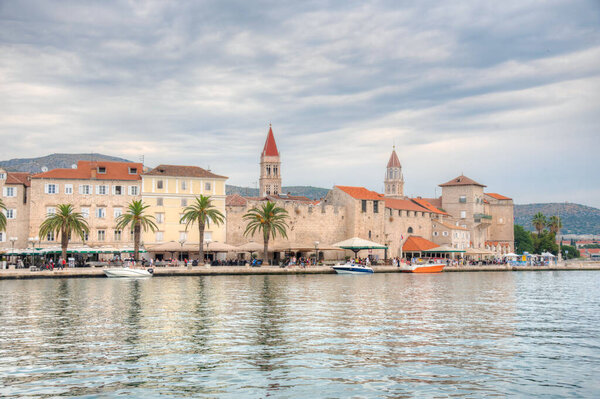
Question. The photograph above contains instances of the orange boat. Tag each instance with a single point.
(424, 268)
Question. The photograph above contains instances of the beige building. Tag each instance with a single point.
(168, 189)
(501, 231)
(99, 190)
(270, 167)
(452, 235)
(14, 189)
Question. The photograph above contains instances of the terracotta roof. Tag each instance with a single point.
(394, 162)
(417, 244)
(461, 180)
(425, 204)
(361, 193)
(270, 149)
(235, 200)
(437, 202)
(86, 169)
(498, 196)
(182, 171)
(451, 226)
(407, 205)
(18, 178)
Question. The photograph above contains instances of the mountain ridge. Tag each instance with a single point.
(53, 161)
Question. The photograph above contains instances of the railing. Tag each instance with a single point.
(482, 218)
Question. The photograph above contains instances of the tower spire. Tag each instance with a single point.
(270, 167)
(394, 180)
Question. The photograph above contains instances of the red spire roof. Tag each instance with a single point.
(270, 149)
(394, 162)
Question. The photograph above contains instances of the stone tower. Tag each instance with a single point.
(270, 167)
(394, 180)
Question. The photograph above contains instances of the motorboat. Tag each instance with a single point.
(432, 267)
(128, 272)
(352, 268)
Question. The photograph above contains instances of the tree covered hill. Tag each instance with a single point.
(576, 218)
(307, 191)
(53, 161)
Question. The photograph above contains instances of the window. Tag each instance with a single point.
(182, 235)
(131, 235)
(2, 238)
(117, 212)
(445, 234)
(364, 205)
(274, 170)
(207, 236)
(101, 213)
(183, 185)
(133, 171)
(50, 236)
(68, 189)
(369, 234)
(50, 188)
(462, 199)
(50, 210)
(180, 221)
(133, 190)
(500, 221)
(275, 189)
(84, 189)
(268, 190)
(463, 214)
(207, 187)
(117, 235)
(118, 190)
(101, 235)
(2, 176)
(101, 189)
(160, 217)
(102, 169)
(159, 184)
(10, 191)
(11, 213)
(410, 230)
(375, 206)
(435, 233)
(184, 202)
(268, 170)
(85, 212)
(159, 236)
(159, 202)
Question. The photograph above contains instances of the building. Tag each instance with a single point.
(394, 179)
(99, 190)
(168, 189)
(452, 235)
(270, 167)
(14, 188)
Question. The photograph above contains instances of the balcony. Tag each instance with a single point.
(483, 218)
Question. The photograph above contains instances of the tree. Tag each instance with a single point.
(555, 224)
(545, 242)
(201, 211)
(523, 241)
(64, 221)
(2, 215)
(137, 220)
(569, 252)
(539, 222)
(269, 219)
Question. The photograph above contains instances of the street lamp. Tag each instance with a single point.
(316, 253)
(181, 242)
(12, 242)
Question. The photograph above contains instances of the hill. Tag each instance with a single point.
(307, 191)
(53, 161)
(576, 218)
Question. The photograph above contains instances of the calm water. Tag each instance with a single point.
(395, 335)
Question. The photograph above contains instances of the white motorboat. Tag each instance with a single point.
(128, 272)
(352, 268)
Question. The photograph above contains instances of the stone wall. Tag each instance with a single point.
(502, 227)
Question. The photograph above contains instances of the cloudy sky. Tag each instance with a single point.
(506, 92)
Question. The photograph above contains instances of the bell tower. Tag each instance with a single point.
(270, 167)
(394, 180)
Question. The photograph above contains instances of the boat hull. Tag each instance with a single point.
(435, 268)
(126, 272)
(346, 269)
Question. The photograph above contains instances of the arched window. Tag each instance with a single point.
(410, 230)
(268, 170)
(274, 170)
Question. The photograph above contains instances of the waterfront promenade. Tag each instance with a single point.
(244, 270)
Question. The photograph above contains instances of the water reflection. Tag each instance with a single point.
(454, 334)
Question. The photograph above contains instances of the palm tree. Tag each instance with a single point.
(270, 219)
(137, 220)
(555, 224)
(64, 222)
(539, 222)
(201, 211)
(2, 216)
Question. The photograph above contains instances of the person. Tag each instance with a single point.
(185, 262)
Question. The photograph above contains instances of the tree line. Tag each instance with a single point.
(544, 237)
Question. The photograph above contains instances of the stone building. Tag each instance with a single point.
(168, 189)
(270, 167)
(394, 179)
(14, 189)
(452, 235)
(99, 190)
(501, 230)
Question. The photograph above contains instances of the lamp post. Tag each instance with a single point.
(12, 243)
(316, 252)
(181, 242)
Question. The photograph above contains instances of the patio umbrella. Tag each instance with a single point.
(355, 244)
(215, 246)
(250, 247)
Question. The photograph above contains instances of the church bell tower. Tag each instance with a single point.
(394, 180)
(270, 167)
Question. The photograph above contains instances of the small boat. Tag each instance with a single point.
(350, 268)
(424, 268)
(128, 272)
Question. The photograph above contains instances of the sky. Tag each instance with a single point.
(505, 92)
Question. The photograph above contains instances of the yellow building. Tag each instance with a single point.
(168, 189)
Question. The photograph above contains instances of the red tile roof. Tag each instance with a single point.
(425, 204)
(86, 169)
(498, 196)
(360, 193)
(182, 171)
(461, 180)
(407, 205)
(270, 149)
(18, 178)
(394, 162)
(417, 244)
(437, 202)
(235, 200)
